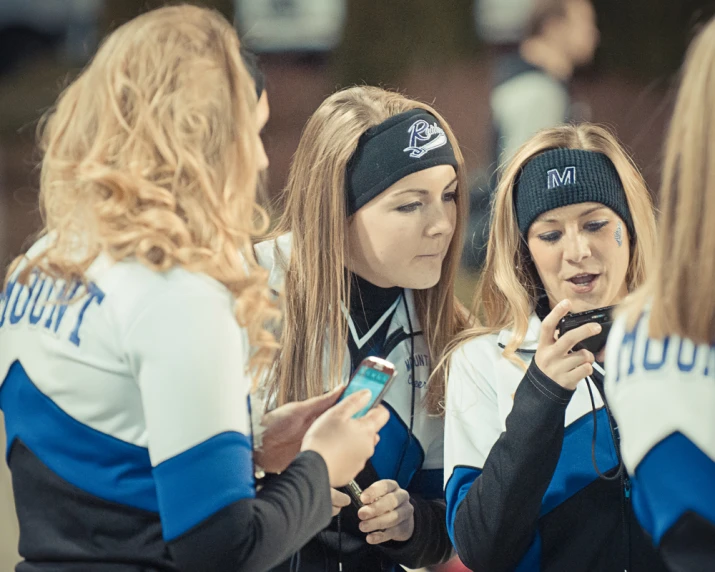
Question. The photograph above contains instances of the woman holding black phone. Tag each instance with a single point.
(534, 478)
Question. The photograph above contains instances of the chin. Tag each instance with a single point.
(583, 303)
(421, 282)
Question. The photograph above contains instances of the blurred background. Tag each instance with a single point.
(450, 53)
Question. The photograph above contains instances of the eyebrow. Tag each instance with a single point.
(583, 214)
(423, 191)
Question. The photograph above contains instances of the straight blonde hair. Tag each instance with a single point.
(151, 154)
(507, 292)
(679, 288)
(315, 213)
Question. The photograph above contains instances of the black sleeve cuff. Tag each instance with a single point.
(547, 386)
(429, 543)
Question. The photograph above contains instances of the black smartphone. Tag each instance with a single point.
(377, 375)
(602, 316)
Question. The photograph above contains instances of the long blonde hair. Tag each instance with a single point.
(316, 284)
(507, 292)
(680, 284)
(151, 154)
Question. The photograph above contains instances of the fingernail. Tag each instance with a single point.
(596, 328)
(564, 303)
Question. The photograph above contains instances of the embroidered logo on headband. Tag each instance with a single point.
(424, 138)
(556, 179)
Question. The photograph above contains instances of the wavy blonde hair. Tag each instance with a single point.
(151, 154)
(316, 283)
(679, 287)
(507, 292)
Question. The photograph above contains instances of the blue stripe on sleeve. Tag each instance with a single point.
(199, 482)
(674, 477)
(95, 462)
(457, 488)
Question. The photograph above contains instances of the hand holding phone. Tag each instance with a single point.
(602, 316)
(346, 443)
(377, 375)
(556, 358)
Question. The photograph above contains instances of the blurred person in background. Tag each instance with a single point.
(366, 255)
(660, 356)
(531, 86)
(130, 330)
(535, 480)
(28, 27)
(294, 26)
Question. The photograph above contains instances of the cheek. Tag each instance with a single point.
(378, 239)
(547, 259)
(614, 250)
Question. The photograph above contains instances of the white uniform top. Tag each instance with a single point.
(132, 390)
(425, 452)
(662, 393)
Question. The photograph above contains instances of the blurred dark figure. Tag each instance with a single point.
(531, 84)
(32, 28)
(531, 92)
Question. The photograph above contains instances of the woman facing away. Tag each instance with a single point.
(534, 478)
(126, 329)
(366, 255)
(660, 365)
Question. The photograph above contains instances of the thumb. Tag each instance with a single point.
(352, 404)
(339, 499)
(317, 405)
(376, 418)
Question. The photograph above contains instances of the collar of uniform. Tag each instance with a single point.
(274, 256)
(400, 319)
(531, 340)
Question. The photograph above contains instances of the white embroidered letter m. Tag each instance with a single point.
(556, 179)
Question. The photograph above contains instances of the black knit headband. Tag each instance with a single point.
(562, 177)
(403, 144)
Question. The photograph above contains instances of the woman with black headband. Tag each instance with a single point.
(367, 253)
(535, 479)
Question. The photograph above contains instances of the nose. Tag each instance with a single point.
(576, 247)
(443, 220)
(261, 156)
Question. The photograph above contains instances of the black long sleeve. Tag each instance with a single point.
(253, 535)
(497, 520)
(429, 543)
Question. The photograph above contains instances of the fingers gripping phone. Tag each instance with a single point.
(602, 316)
(377, 375)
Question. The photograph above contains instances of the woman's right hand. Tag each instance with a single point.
(552, 355)
(346, 443)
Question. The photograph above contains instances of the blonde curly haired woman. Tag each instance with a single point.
(660, 354)
(527, 433)
(125, 331)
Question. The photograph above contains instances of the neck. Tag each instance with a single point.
(369, 302)
(543, 54)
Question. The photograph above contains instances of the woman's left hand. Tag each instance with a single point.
(387, 514)
(285, 428)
